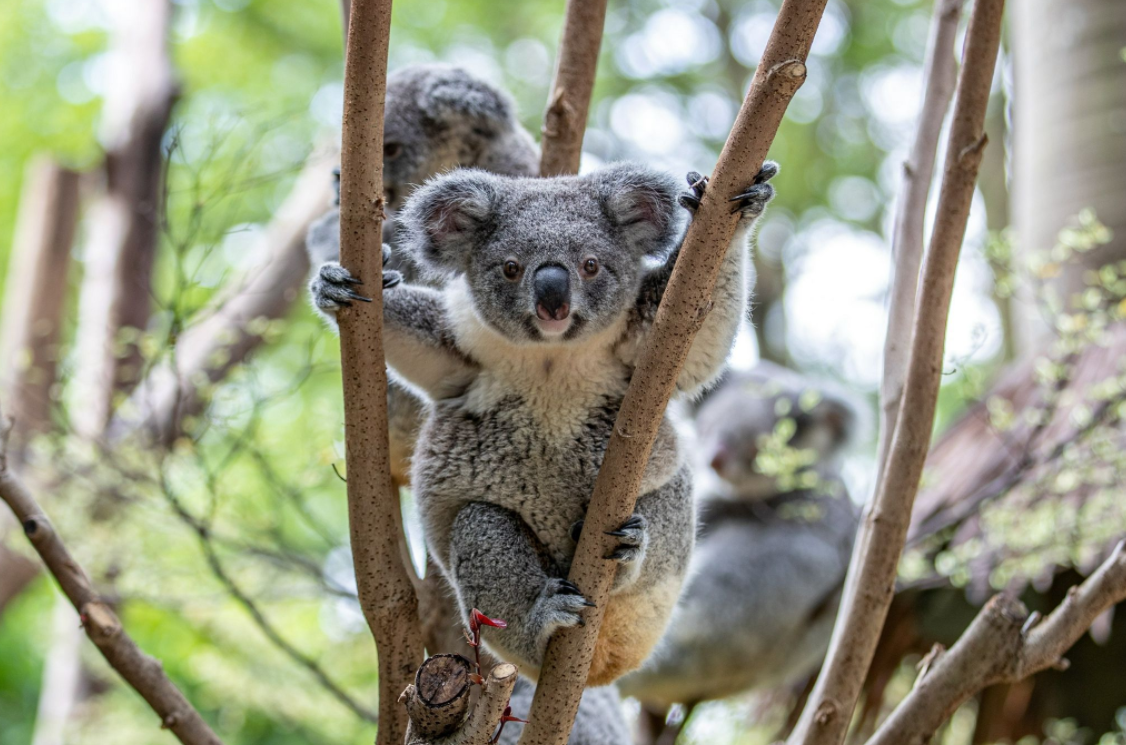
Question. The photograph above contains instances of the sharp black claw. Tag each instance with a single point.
(391, 280)
(634, 521)
(354, 281)
(577, 530)
(357, 296)
(689, 202)
(768, 171)
(589, 604)
(619, 554)
(581, 621)
(618, 533)
(568, 588)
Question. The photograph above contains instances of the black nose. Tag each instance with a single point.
(552, 286)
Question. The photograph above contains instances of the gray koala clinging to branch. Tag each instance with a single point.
(437, 118)
(759, 604)
(525, 353)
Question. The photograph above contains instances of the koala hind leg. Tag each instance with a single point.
(499, 567)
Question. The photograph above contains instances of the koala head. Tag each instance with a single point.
(545, 259)
(440, 117)
(768, 411)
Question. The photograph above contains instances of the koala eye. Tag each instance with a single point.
(590, 267)
(511, 269)
(391, 150)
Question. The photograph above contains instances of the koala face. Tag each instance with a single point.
(739, 420)
(545, 260)
(437, 118)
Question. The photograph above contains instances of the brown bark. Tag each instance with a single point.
(125, 222)
(438, 700)
(233, 328)
(872, 574)
(1004, 644)
(564, 122)
(35, 296)
(1069, 152)
(683, 309)
(386, 592)
(940, 74)
(101, 624)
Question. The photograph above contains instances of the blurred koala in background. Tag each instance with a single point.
(776, 533)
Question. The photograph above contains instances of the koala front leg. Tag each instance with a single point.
(417, 340)
(734, 286)
(498, 566)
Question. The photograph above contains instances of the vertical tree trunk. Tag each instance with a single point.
(125, 223)
(1069, 129)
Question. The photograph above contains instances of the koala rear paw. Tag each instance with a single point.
(331, 289)
(559, 605)
(634, 539)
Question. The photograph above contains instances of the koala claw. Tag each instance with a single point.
(690, 200)
(332, 288)
(634, 535)
(753, 201)
(560, 604)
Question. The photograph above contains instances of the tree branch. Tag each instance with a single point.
(208, 350)
(386, 592)
(143, 673)
(564, 122)
(685, 304)
(907, 240)
(873, 571)
(1003, 645)
(438, 700)
(115, 300)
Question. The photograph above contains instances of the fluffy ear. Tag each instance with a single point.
(452, 96)
(841, 417)
(641, 203)
(442, 221)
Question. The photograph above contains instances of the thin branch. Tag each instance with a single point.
(143, 673)
(208, 350)
(564, 122)
(682, 311)
(873, 570)
(386, 591)
(940, 74)
(1004, 644)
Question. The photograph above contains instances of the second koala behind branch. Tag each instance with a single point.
(777, 529)
(525, 350)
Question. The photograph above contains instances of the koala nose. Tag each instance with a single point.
(552, 287)
(720, 458)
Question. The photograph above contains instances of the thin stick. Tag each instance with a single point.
(826, 716)
(564, 122)
(143, 673)
(1002, 645)
(386, 592)
(684, 307)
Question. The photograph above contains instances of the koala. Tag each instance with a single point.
(550, 287)
(437, 118)
(599, 721)
(759, 604)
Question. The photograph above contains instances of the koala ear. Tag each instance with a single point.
(641, 204)
(840, 417)
(442, 221)
(453, 95)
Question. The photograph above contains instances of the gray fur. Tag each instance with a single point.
(758, 608)
(599, 721)
(522, 409)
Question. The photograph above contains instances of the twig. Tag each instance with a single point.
(873, 570)
(1004, 644)
(682, 310)
(143, 673)
(564, 122)
(907, 240)
(386, 591)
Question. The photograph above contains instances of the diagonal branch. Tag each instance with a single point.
(386, 592)
(564, 122)
(1004, 644)
(871, 582)
(142, 672)
(683, 308)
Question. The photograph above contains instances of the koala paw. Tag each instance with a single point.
(332, 288)
(751, 203)
(690, 200)
(633, 538)
(559, 605)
